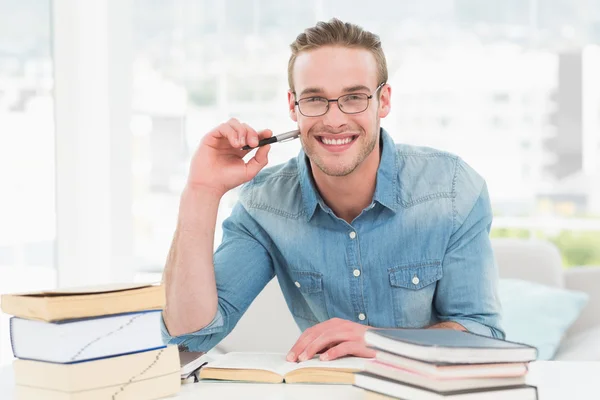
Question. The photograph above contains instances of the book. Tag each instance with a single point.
(454, 371)
(85, 339)
(448, 345)
(82, 302)
(273, 368)
(156, 388)
(378, 387)
(146, 375)
(191, 361)
(439, 384)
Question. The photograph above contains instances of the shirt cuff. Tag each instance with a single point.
(217, 325)
(479, 328)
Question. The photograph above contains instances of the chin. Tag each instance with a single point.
(336, 169)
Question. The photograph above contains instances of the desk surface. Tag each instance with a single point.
(556, 380)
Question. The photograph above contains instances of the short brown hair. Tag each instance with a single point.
(337, 33)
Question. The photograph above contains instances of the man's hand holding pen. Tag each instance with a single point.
(218, 164)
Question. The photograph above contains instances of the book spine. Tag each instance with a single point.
(12, 343)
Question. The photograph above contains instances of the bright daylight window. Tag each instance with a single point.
(509, 86)
(27, 216)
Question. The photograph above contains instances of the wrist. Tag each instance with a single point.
(207, 192)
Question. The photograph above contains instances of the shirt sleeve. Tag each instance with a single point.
(467, 293)
(243, 267)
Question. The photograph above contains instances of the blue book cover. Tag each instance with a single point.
(448, 346)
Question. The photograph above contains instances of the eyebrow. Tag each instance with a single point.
(349, 89)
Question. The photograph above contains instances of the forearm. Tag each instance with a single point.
(448, 325)
(189, 277)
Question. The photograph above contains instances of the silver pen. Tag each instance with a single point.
(291, 135)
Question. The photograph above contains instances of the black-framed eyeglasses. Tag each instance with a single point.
(353, 103)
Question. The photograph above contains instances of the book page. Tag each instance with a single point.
(273, 362)
(356, 363)
(83, 290)
(277, 363)
(114, 287)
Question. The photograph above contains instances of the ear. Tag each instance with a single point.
(385, 101)
(292, 106)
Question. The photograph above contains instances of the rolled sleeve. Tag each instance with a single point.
(201, 340)
(467, 293)
(479, 328)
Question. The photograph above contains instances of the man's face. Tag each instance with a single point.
(336, 142)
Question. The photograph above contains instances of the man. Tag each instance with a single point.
(359, 231)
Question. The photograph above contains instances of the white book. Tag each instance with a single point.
(85, 339)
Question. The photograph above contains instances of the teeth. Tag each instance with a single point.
(337, 142)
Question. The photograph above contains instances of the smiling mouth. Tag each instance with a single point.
(337, 142)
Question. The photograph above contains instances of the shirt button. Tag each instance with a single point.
(362, 316)
(297, 284)
(352, 235)
(415, 280)
(356, 272)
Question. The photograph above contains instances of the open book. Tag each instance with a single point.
(273, 368)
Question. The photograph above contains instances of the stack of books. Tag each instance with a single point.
(433, 364)
(94, 343)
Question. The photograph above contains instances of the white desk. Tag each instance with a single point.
(555, 380)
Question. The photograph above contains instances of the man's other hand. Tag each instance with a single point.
(332, 339)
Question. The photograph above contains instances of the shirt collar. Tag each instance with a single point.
(386, 189)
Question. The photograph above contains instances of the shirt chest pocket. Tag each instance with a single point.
(309, 301)
(412, 289)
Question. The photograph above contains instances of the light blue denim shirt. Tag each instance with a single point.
(419, 254)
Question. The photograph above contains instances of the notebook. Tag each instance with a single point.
(454, 371)
(448, 345)
(146, 375)
(86, 339)
(81, 302)
(273, 368)
(384, 388)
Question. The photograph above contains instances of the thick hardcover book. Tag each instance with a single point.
(85, 339)
(147, 375)
(449, 346)
(81, 302)
(386, 388)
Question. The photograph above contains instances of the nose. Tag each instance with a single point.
(334, 116)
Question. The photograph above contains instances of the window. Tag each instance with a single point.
(27, 217)
(197, 65)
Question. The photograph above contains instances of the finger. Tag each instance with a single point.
(251, 136)
(258, 162)
(327, 339)
(240, 129)
(305, 338)
(265, 133)
(358, 349)
(308, 336)
(228, 132)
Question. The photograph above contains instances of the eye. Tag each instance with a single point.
(313, 99)
(353, 97)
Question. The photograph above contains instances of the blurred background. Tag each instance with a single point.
(102, 107)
